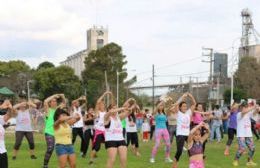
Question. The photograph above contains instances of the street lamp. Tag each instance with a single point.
(232, 74)
(117, 85)
(28, 88)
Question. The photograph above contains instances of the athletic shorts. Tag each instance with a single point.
(114, 144)
(64, 149)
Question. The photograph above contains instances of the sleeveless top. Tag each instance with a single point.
(99, 122)
(78, 124)
(196, 149)
(23, 121)
(160, 121)
(63, 134)
(114, 130)
(49, 122)
(172, 119)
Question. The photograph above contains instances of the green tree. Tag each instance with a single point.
(107, 59)
(45, 65)
(238, 94)
(8, 68)
(247, 77)
(57, 80)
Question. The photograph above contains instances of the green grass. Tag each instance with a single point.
(214, 152)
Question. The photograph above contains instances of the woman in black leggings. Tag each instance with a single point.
(183, 124)
(89, 129)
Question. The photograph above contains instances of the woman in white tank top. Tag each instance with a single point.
(99, 135)
(114, 140)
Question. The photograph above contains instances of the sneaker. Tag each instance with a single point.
(168, 160)
(235, 163)
(14, 158)
(33, 157)
(184, 149)
(90, 162)
(83, 156)
(251, 164)
(152, 160)
(45, 166)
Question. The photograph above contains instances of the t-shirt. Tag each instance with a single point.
(130, 125)
(23, 121)
(145, 127)
(2, 136)
(123, 122)
(172, 119)
(244, 125)
(217, 122)
(233, 120)
(183, 123)
(160, 120)
(197, 118)
(49, 122)
(78, 124)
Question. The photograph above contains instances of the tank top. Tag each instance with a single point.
(23, 121)
(172, 119)
(99, 122)
(114, 132)
(78, 124)
(63, 134)
(49, 122)
(160, 120)
(196, 149)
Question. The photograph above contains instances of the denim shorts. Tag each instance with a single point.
(64, 149)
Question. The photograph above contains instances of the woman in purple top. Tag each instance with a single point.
(232, 126)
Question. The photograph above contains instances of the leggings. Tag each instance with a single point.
(133, 138)
(253, 128)
(180, 140)
(87, 136)
(243, 143)
(19, 138)
(78, 132)
(152, 131)
(172, 132)
(50, 142)
(231, 134)
(4, 160)
(159, 134)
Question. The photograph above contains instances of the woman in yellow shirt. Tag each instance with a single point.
(63, 137)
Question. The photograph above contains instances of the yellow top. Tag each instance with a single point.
(63, 134)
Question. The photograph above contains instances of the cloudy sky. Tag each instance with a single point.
(167, 33)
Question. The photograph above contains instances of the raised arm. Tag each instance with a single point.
(112, 112)
(193, 102)
(47, 101)
(7, 105)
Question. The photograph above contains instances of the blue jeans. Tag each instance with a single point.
(139, 123)
(215, 129)
(64, 149)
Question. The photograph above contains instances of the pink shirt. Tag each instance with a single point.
(197, 118)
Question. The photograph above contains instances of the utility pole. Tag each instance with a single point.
(197, 90)
(153, 87)
(211, 61)
(107, 87)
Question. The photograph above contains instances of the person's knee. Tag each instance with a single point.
(17, 146)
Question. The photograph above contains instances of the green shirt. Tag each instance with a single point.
(123, 122)
(49, 122)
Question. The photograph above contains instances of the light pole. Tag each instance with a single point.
(117, 85)
(232, 74)
(28, 88)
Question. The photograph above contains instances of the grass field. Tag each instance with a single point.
(214, 152)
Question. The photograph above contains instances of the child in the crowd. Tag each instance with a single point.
(195, 145)
(145, 129)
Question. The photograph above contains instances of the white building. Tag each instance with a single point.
(97, 37)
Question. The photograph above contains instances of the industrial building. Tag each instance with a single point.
(97, 37)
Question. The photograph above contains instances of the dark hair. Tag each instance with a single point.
(243, 104)
(217, 106)
(110, 107)
(146, 110)
(59, 112)
(181, 103)
(197, 105)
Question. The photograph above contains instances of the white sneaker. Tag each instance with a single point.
(152, 160)
(184, 149)
(168, 160)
